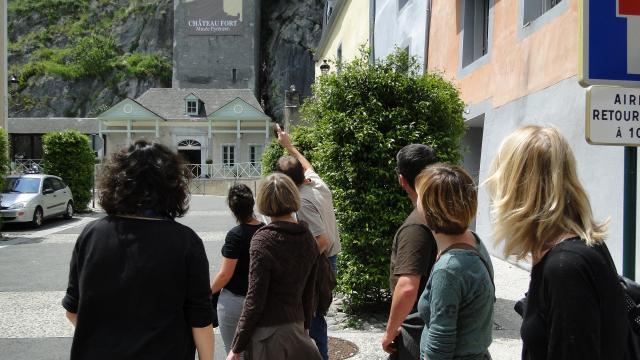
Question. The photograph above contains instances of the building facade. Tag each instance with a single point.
(400, 24)
(216, 44)
(348, 25)
(516, 63)
(210, 115)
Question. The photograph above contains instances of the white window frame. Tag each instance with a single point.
(191, 101)
(222, 154)
(256, 146)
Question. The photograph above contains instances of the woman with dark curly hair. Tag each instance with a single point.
(139, 281)
(232, 279)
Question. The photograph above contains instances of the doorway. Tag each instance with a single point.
(193, 159)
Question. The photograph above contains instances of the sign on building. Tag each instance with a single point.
(610, 43)
(214, 17)
(613, 116)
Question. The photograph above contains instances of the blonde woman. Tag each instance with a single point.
(575, 305)
(457, 303)
(282, 271)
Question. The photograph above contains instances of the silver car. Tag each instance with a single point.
(34, 197)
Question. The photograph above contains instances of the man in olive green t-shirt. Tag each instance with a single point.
(413, 254)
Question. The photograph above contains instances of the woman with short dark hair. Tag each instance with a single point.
(232, 279)
(139, 281)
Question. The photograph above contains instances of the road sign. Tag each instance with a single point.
(610, 43)
(613, 116)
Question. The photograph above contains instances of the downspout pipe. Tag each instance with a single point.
(426, 38)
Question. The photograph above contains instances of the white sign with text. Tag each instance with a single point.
(613, 116)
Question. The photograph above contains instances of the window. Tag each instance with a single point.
(229, 155)
(255, 154)
(476, 30)
(402, 3)
(192, 107)
(48, 184)
(533, 9)
(234, 77)
(57, 184)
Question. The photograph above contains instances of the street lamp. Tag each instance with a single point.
(324, 68)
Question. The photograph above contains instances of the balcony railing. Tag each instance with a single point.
(21, 166)
(246, 170)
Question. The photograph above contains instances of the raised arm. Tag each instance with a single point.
(285, 140)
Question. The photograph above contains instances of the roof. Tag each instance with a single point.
(42, 125)
(169, 103)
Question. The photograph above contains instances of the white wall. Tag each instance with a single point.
(600, 168)
(400, 28)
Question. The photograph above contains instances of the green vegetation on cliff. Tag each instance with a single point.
(91, 45)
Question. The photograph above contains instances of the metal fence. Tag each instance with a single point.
(246, 170)
(21, 166)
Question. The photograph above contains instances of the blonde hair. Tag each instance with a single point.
(448, 198)
(277, 195)
(536, 195)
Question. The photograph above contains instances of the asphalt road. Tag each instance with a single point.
(34, 266)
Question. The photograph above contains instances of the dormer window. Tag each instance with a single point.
(192, 107)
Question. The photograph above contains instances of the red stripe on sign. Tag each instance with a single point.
(629, 7)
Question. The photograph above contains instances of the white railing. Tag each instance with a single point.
(21, 166)
(246, 170)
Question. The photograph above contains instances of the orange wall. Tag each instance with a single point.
(515, 67)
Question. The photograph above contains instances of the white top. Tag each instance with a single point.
(316, 209)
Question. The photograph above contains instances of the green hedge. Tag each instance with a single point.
(4, 156)
(69, 156)
(361, 118)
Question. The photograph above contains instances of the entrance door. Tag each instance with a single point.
(194, 160)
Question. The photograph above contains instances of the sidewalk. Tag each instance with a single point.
(511, 284)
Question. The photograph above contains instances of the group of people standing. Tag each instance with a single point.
(139, 281)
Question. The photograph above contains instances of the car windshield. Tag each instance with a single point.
(21, 185)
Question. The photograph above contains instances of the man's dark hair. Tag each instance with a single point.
(291, 167)
(240, 201)
(145, 178)
(412, 159)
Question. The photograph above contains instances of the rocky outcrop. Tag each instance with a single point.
(47, 86)
(290, 30)
(42, 37)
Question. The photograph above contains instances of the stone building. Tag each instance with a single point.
(211, 114)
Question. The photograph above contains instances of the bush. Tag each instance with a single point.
(69, 156)
(4, 156)
(361, 118)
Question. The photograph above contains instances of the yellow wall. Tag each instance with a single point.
(350, 28)
(515, 67)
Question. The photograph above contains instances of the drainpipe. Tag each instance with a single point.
(426, 38)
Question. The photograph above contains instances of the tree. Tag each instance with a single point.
(69, 156)
(360, 118)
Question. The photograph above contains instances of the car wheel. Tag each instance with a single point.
(69, 213)
(38, 218)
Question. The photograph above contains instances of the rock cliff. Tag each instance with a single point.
(78, 57)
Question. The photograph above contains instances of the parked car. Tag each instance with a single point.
(35, 197)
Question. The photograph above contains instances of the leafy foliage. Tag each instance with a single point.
(74, 40)
(69, 156)
(4, 155)
(360, 119)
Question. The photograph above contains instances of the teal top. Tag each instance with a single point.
(457, 307)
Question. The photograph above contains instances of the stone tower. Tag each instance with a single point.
(216, 44)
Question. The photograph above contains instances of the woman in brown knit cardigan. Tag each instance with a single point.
(282, 272)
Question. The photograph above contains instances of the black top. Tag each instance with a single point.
(575, 306)
(236, 246)
(138, 287)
